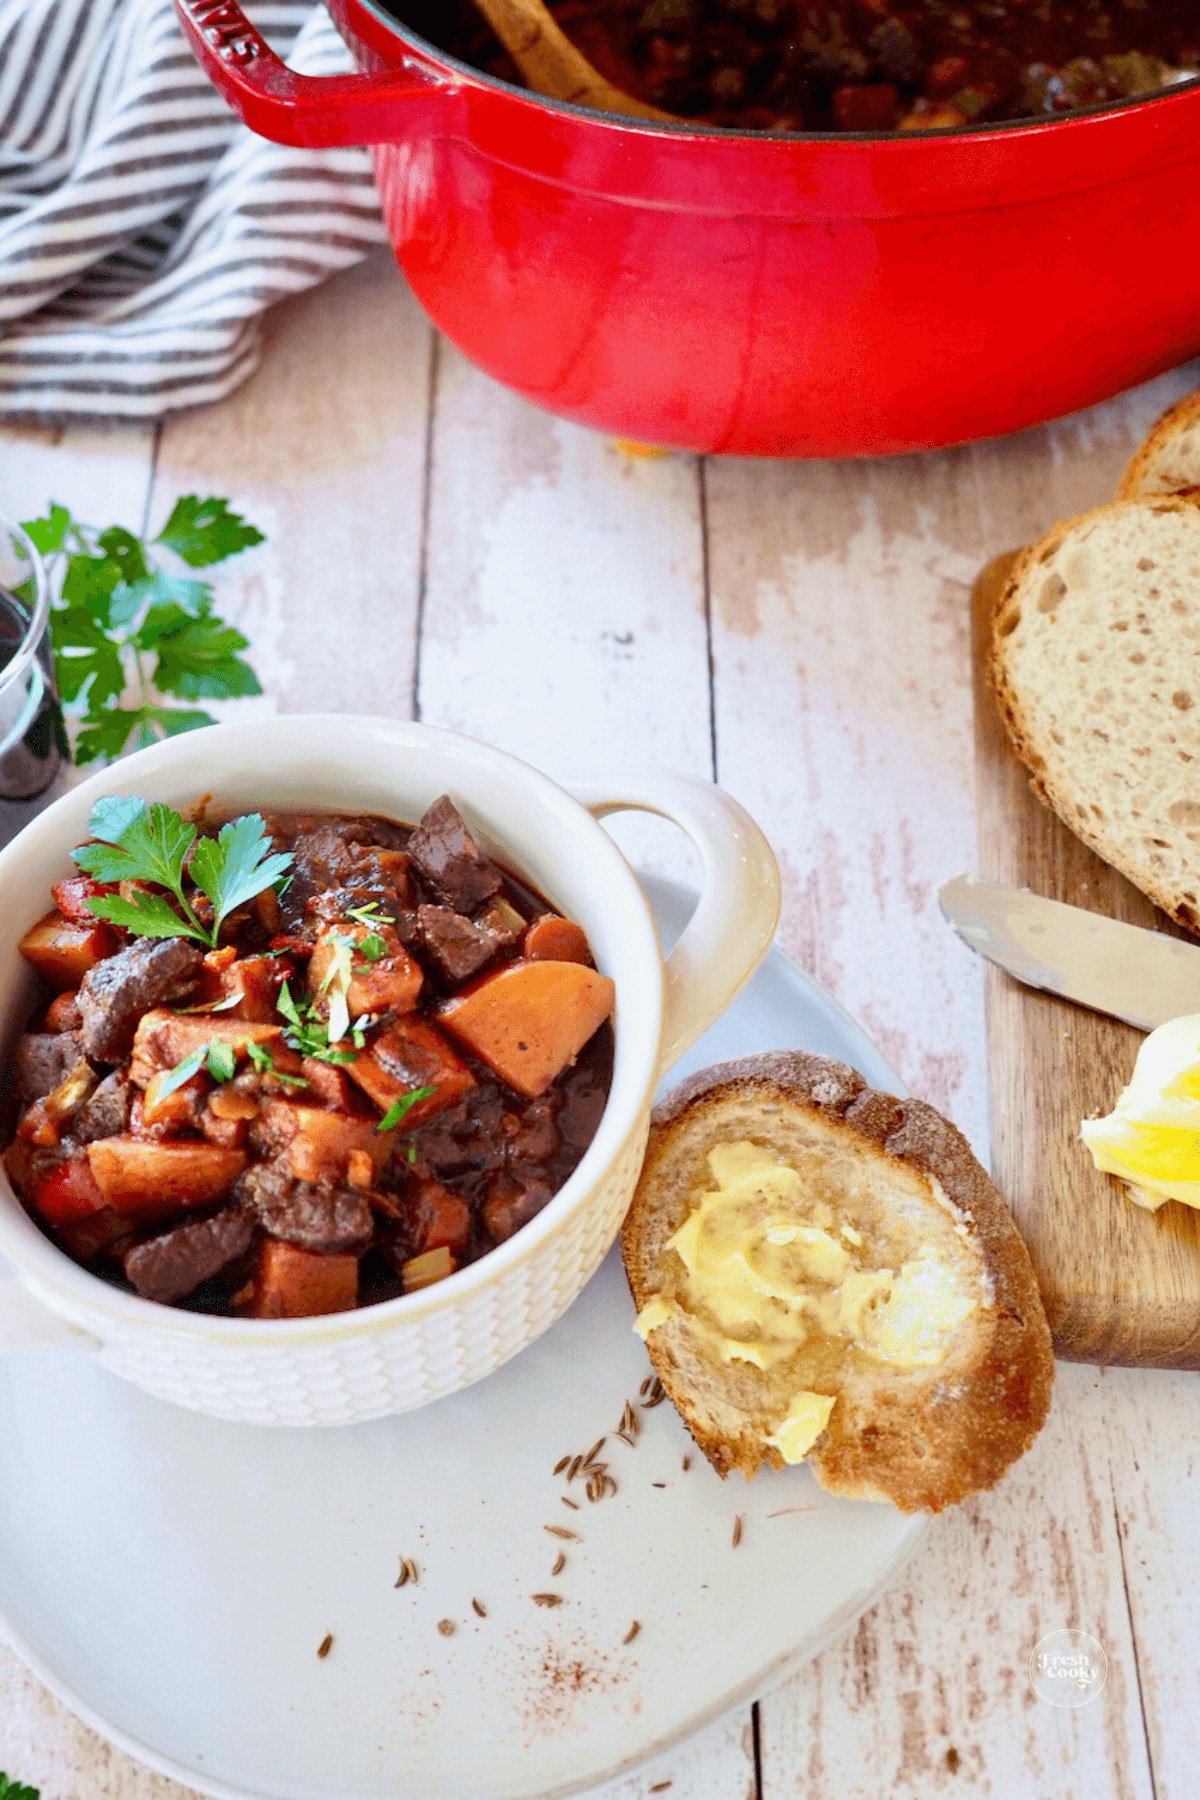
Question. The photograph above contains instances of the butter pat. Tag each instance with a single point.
(802, 1424)
(925, 1303)
(760, 1280)
(1151, 1139)
(656, 1312)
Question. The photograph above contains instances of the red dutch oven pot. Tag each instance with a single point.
(764, 296)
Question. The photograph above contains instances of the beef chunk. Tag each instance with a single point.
(120, 989)
(329, 860)
(531, 1134)
(43, 1060)
(170, 1267)
(459, 947)
(451, 862)
(465, 1138)
(106, 1114)
(312, 1217)
(511, 1204)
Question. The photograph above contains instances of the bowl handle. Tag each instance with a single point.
(735, 918)
(311, 111)
(27, 1324)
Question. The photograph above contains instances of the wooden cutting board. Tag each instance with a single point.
(1120, 1285)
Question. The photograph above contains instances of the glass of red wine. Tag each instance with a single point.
(32, 742)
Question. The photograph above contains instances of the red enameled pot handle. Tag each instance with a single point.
(313, 111)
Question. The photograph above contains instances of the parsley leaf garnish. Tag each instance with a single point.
(16, 1790)
(137, 842)
(205, 531)
(120, 622)
(151, 843)
(235, 865)
(399, 1108)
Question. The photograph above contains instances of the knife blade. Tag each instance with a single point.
(1143, 977)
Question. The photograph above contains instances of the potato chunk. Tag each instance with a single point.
(318, 1144)
(147, 1180)
(165, 1038)
(530, 1020)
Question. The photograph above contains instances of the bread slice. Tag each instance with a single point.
(902, 1180)
(1095, 662)
(1169, 460)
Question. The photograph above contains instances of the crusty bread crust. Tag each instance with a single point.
(932, 1437)
(1061, 794)
(1144, 474)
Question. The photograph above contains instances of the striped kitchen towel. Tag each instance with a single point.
(143, 228)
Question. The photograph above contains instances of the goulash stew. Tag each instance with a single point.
(301, 1064)
(856, 65)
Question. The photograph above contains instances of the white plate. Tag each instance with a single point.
(171, 1576)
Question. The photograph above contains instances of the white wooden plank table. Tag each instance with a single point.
(437, 548)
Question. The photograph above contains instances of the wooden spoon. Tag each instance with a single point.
(550, 62)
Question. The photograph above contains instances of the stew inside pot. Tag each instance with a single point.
(854, 65)
(331, 1062)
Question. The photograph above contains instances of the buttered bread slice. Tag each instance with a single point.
(825, 1273)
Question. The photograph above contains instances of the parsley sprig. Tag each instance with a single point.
(16, 1790)
(120, 618)
(151, 843)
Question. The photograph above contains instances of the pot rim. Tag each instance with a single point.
(719, 134)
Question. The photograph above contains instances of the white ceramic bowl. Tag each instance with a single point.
(406, 1352)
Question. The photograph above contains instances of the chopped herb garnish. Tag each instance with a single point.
(307, 1033)
(264, 1062)
(369, 914)
(151, 843)
(399, 1108)
(222, 1060)
(217, 1056)
(371, 948)
(336, 986)
(213, 1006)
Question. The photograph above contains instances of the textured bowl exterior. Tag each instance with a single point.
(403, 1353)
(381, 1364)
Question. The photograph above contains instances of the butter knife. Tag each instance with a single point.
(1143, 977)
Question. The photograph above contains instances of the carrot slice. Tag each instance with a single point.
(301, 1284)
(412, 1054)
(530, 1020)
(63, 950)
(549, 938)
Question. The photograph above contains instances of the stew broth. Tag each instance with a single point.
(858, 65)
